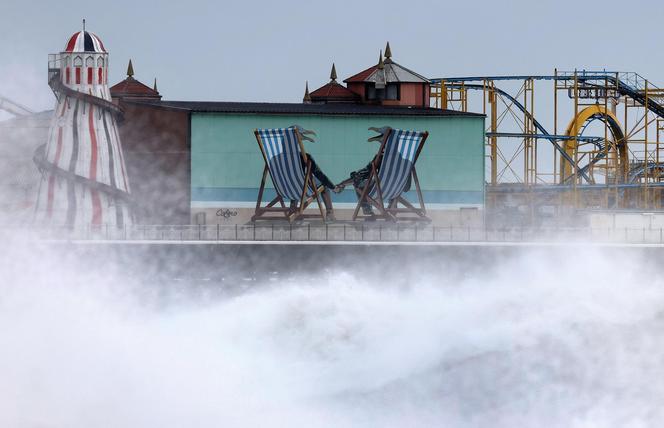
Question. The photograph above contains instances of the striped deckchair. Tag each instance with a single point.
(391, 170)
(284, 157)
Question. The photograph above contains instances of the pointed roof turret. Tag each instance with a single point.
(131, 88)
(387, 71)
(331, 92)
(388, 53)
(307, 97)
(130, 69)
(333, 73)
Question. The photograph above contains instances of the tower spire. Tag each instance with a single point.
(388, 53)
(84, 25)
(130, 69)
(307, 97)
(155, 85)
(381, 65)
(333, 73)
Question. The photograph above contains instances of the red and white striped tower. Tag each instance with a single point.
(84, 176)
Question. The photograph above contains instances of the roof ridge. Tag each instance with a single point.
(410, 71)
(327, 89)
(127, 82)
(372, 68)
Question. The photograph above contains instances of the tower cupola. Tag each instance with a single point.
(83, 64)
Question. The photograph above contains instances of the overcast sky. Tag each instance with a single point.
(264, 51)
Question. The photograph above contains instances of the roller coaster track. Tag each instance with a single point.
(636, 94)
(595, 79)
(538, 125)
(620, 85)
(637, 171)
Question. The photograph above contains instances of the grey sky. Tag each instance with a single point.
(264, 51)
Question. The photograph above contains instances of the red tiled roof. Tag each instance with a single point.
(362, 75)
(335, 91)
(131, 87)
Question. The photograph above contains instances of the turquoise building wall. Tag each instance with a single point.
(226, 164)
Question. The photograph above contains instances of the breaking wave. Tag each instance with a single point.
(540, 339)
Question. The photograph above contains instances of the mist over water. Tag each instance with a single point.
(567, 337)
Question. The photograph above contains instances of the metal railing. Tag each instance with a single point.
(352, 233)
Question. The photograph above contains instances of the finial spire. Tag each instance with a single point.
(381, 65)
(84, 25)
(333, 73)
(155, 85)
(307, 97)
(388, 51)
(130, 69)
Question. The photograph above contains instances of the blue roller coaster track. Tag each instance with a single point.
(627, 84)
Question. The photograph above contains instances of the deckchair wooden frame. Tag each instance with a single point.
(392, 211)
(289, 213)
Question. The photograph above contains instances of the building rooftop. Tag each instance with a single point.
(299, 108)
(387, 71)
(132, 88)
(334, 91)
(392, 72)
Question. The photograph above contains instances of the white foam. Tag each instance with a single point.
(553, 338)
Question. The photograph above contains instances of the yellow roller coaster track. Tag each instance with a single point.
(617, 148)
(535, 161)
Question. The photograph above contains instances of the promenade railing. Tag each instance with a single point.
(365, 232)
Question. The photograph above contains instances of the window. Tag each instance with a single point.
(100, 74)
(90, 75)
(67, 75)
(372, 93)
(78, 63)
(390, 92)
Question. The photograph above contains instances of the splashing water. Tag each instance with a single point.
(541, 339)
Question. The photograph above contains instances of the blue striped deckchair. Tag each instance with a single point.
(284, 157)
(391, 169)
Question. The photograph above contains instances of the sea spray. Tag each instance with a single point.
(538, 339)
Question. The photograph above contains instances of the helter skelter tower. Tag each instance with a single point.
(84, 180)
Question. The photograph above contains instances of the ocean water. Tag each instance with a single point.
(566, 337)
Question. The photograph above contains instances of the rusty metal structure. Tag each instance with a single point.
(565, 142)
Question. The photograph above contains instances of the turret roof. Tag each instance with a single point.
(393, 72)
(84, 41)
